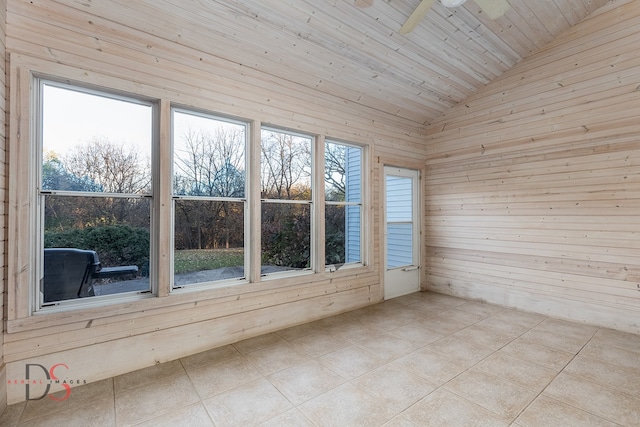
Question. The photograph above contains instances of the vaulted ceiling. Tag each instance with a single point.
(353, 48)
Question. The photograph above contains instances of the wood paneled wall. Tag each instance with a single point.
(97, 43)
(533, 184)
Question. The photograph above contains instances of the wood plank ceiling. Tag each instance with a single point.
(352, 48)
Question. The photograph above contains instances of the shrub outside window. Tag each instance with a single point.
(94, 193)
(96, 211)
(286, 192)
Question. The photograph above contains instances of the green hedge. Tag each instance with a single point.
(115, 244)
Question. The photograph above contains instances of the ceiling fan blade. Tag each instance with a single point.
(416, 16)
(494, 8)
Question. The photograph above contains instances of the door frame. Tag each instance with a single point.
(418, 223)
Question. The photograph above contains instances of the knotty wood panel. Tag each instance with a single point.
(534, 182)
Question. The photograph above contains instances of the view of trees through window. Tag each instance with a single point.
(96, 192)
(343, 201)
(285, 180)
(209, 186)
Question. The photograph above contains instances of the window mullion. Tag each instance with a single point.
(163, 206)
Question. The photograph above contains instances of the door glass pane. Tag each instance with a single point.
(399, 245)
(399, 211)
(399, 203)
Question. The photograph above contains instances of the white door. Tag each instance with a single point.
(401, 232)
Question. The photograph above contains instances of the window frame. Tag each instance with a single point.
(192, 287)
(22, 206)
(361, 205)
(314, 234)
(38, 195)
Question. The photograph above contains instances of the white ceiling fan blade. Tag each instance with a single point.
(416, 16)
(494, 8)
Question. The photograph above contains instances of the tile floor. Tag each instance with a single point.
(421, 360)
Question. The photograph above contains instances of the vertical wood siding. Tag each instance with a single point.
(533, 196)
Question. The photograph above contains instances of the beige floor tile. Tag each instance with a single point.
(442, 408)
(400, 421)
(501, 323)
(291, 418)
(568, 343)
(545, 412)
(444, 300)
(302, 382)
(527, 374)
(399, 316)
(222, 375)
(387, 347)
(189, 416)
(318, 344)
(332, 321)
(148, 375)
(443, 323)
(408, 299)
(416, 334)
(300, 331)
(164, 396)
(394, 386)
(489, 363)
(98, 412)
(460, 314)
(618, 339)
(346, 405)
(351, 362)
(459, 351)
(209, 357)
(612, 355)
(248, 404)
(622, 379)
(276, 357)
(429, 308)
(258, 343)
(539, 354)
(79, 396)
(482, 336)
(481, 308)
(354, 331)
(11, 414)
(500, 396)
(569, 329)
(522, 319)
(611, 405)
(435, 368)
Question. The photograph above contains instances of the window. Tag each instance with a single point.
(286, 192)
(209, 192)
(97, 213)
(343, 205)
(94, 193)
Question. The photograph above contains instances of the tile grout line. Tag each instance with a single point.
(556, 376)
